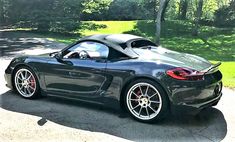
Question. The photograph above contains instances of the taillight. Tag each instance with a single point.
(185, 74)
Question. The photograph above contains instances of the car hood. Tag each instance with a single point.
(44, 55)
(176, 59)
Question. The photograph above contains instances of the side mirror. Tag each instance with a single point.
(58, 56)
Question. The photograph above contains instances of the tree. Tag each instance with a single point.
(209, 8)
(95, 9)
(1, 12)
(95, 6)
(150, 8)
(5, 13)
(158, 21)
(225, 16)
(127, 10)
(197, 18)
(183, 7)
(164, 10)
(44, 15)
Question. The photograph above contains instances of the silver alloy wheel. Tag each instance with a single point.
(25, 82)
(144, 101)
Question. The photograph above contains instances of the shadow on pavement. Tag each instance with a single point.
(209, 125)
(13, 43)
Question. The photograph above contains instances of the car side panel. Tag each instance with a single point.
(80, 79)
(119, 73)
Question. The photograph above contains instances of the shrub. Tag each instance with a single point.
(225, 16)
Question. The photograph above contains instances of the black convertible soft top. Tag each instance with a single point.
(119, 39)
(120, 42)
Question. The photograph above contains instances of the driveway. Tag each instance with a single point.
(54, 119)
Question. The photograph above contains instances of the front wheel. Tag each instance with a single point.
(26, 83)
(146, 101)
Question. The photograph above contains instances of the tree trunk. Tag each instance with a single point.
(164, 10)
(198, 17)
(184, 10)
(155, 10)
(158, 21)
(183, 7)
(1, 12)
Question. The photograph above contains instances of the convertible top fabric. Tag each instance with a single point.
(119, 39)
(118, 42)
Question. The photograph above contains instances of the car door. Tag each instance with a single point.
(75, 75)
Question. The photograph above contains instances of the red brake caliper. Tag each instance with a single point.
(138, 94)
(32, 82)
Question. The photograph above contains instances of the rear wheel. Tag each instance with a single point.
(26, 83)
(146, 101)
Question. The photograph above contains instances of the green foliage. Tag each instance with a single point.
(95, 9)
(125, 10)
(64, 26)
(1, 12)
(225, 16)
(5, 13)
(172, 9)
(95, 6)
(43, 14)
(92, 26)
(149, 8)
(209, 8)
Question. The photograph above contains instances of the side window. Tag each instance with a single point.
(116, 55)
(88, 50)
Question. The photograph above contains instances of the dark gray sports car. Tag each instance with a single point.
(120, 70)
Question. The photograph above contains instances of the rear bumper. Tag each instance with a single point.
(196, 107)
(191, 97)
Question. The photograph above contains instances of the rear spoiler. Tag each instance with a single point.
(212, 68)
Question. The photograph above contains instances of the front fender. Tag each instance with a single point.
(29, 62)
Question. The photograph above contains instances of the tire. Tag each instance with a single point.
(26, 83)
(146, 101)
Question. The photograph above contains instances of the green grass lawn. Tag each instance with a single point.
(114, 27)
(228, 70)
(214, 44)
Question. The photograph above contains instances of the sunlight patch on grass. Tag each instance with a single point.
(197, 41)
(228, 71)
(112, 27)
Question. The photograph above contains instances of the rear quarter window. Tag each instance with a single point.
(141, 43)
